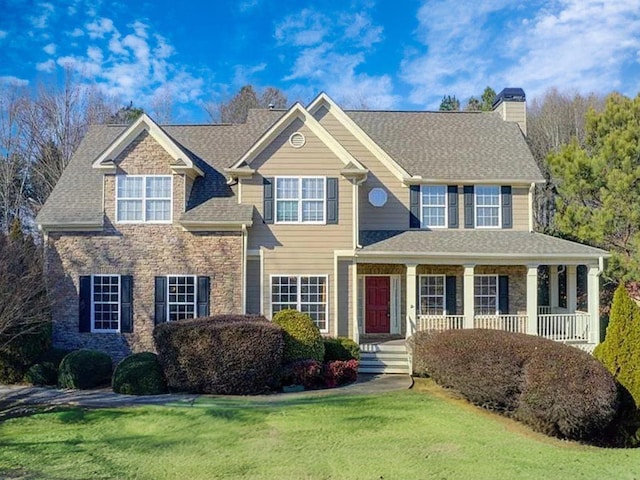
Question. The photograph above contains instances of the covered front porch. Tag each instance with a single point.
(544, 293)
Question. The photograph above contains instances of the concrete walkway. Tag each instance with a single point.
(15, 396)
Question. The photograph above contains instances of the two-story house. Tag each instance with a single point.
(376, 223)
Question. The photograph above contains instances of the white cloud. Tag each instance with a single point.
(48, 66)
(50, 49)
(3, 34)
(243, 75)
(115, 45)
(245, 6)
(578, 44)
(95, 54)
(76, 32)
(42, 21)
(305, 28)
(98, 28)
(14, 81)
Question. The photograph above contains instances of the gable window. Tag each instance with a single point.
(486, 294)
(487, 203)
(306, 294)
(432, 295)
(434, 206)
(300, 199)
(143, 198)
(181, 297)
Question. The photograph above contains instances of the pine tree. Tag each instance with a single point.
(620, 351)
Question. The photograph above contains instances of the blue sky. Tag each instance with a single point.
(402, 54)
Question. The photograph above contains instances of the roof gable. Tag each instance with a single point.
(323, 100)
(296, 112)
(181, 163)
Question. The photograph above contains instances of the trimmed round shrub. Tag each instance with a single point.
(85, 369)
(139, 374)
(39, 374)
(225, 354)
(554, 388)
(302, 339)
(340, 348)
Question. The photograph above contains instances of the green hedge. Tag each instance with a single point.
(302, 339)
(22, 353)
(45, 371)
(85, 369)
(139, 374)
(554, 388)
(226, 354)
(340, 348)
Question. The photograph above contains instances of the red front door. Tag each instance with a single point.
(378, 298)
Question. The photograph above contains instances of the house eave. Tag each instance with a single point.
(70, 227)
(419, 180)
(208, 226)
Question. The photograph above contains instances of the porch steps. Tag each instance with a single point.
(383, 358)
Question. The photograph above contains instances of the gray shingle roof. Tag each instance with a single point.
(458, 146)
(211, 147)
(473, 243)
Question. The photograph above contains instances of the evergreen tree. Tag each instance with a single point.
(620, 351)
(488, 97)
(598, 185)
(449, 104)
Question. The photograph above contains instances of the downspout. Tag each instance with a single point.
(244, 269)
(356, 213)
(532, 190)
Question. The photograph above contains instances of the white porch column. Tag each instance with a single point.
(593, 294)
(532, 299)
(554, 288)
(468, 291)
(411, 299)
(353, 276)
(572, 288)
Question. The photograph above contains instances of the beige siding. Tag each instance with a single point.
(520, 198)
(345, 300)
(253, 285)
(394, 215)
(299, 249)
(514, 112)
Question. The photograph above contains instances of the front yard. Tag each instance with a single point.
(420, 433)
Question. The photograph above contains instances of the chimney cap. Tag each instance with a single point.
(509, 95)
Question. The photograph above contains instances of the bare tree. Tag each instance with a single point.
(552, 122)
(237, 108)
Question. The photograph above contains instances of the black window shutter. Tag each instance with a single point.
(332, 200)
(452, 193)
(267, 210)
(450, 295)
(414, 206)
(204, 289)
(503, 294)
(126, 303)
(507, 207)
(160, 300)
(84, 304)
(469, 220)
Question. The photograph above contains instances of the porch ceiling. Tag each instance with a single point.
(469, 244)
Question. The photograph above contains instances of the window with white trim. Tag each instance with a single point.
(300, 199)
(105, 303)
(143, 198)
(487, 203)
(434, 205)
(485, 294)
(306, 294)
(181, 297)
(432, 295)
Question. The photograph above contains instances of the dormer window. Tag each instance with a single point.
(143, 198)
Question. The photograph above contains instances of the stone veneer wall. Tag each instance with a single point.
(143, 251)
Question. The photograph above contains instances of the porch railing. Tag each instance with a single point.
(508, 323)
(567, 327)
(439, 323)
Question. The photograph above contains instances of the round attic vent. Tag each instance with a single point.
(297, 140)
(378, 197)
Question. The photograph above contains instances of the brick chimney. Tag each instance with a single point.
(512, 105)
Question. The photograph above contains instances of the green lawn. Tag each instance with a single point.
(421, 433)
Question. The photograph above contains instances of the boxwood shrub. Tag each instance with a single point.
(340, 348)
(308, 373)
(85, 369)
(302, 339)
(139, 374)
(554, 388)
(45, 371)
(224, 354)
